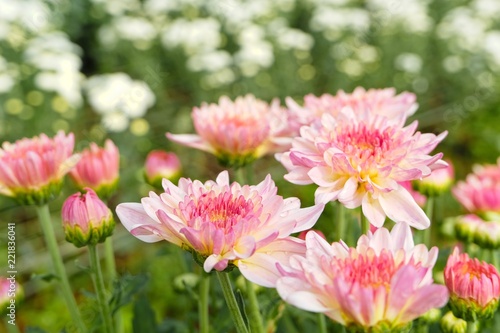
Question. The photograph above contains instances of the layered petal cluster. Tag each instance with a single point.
(98, 169)
(224, 224)
(359, 158)
(237, 132)
(480, 192)
(32, 169)
(474, 287)
(379, 286)
(383, 102)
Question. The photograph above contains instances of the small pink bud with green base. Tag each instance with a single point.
(161, 164)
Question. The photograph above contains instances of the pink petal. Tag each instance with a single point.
(400, 206)
(136, 221)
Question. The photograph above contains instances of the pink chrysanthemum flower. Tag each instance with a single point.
(474, 287)
(383, 102)
(480, 192)
(379, 286)
(161, 164)
(98, 169)
(32, 170)
(359, 158)
(237, 132)
(223, 224)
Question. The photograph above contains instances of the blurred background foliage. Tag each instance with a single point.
(132, 70)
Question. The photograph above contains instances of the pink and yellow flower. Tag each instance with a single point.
(382, 285)
(161, 164)
(237, 132)
(480, 192)
(223, 224)
(86, 219)
(474, 287)
(359, 159)
(98, 169)
(32, 170)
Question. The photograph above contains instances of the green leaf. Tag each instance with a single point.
(34, 330)
(144, 316)
(125, 289)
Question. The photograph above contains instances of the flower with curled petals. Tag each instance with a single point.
(382, 285)
(223, 224)
(32, 170)
(359, 159)
(238, 132)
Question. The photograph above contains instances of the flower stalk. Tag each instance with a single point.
(231, 302)
(203, 303)
(50, 239)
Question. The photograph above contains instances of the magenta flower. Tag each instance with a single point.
(161, 164)
(86, 219)
(379, 286)
(98, 169)
(32, 170)
(480, 192)
(223, 224)
(237, 132)
(359, 159)
(474, 287)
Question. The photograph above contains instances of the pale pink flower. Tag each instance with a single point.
(10, 293)
(474, 286)
(223, 224)
(161, 164)
(32, 170)
(86, 219)
(381, 285)
(480, 192)
(237, 132)
(383, 102)
(419, 198)
(98, 169)
(359, 159)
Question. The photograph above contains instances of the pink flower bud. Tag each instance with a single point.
(439, 181)
(161, 164)
(86, 219)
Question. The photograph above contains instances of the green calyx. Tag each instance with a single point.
(381, 327)
(41, 196)
(235, 161)
(451, 324)
(469, 310)
(94, 235)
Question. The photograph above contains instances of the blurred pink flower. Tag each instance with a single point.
(383, 102)
(480, 192)
(86, 219)
(161, 164)
(381, 285)
(98, 169)
(474, 287)
(419, 198)
(32, 170)
(10, 291)
(439, 181)
(359, 159)
(223, 224)
(237, 132)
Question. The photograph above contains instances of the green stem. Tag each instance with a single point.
(203, 303)
(109, 257)
(254, 316)
(341, 222)
(51, 242)
(322, 323)
(471, 327)
(100, 289)
(429, 211)
(11, 328)
(365, 224)
(225, 284)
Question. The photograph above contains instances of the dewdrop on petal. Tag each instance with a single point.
(474, 287)
(86, 219)
(161, 164)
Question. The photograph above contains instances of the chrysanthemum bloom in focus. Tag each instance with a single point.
(438, 182)
(161, 164)
(237, 132)
(32, 170)
(98, 169)
(382, 285)
(223, 224)
(474, 287)
(359, 158)
(86, 219)
(480, 192)
(383, 102)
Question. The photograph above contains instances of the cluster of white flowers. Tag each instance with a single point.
(118, 99)
(6, 76)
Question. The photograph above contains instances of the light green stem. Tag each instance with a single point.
(254, 316)
(341, 221)
(322, 323)
(365, 224)
(471, 327)
(51, 242)
(109, 257)
(231, 302)
(203, 303)
(11, 328)
(100, 289)
(429, 211)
